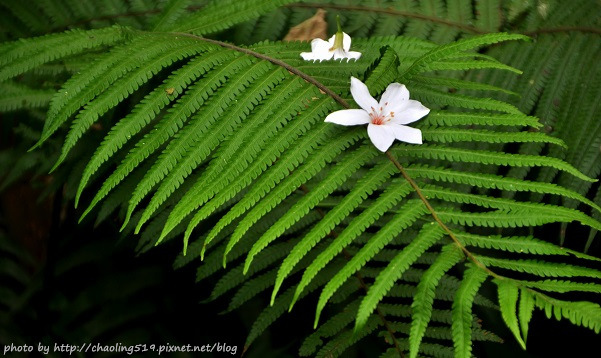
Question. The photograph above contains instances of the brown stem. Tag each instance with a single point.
(422, 197)
(594, 30)
(390, 11)
(434, 19)
(275, 61)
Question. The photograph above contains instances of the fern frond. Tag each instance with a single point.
(408, 213)
(508, 298)
(365, 187)
(466, 135)
(580, 313)
(489, 181)
(227, 146)
(562, 286)
(427, 237)
(541, 268)
(487, 157)
(518, 244)
(170, 14)
(122, 88)
(23, 55)
(390, 197)
(459, 84)
(279, 112)
(101, 74)
(444, 51)
(462, 310)
(144, 112)
(441, 98)
(163, 130)
(303, 147)
(15, 96)
(425, 293)
(220, 15)
(329, 328)
(445, 118)
(337, 175)
(561, 213)
(270, 313)
(184, 153)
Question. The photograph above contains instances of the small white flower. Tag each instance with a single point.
(337, 46)
(385, 120)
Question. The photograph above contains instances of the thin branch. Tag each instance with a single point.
(390, 11)
(275, 61)
(437, 219)
(434, 19)
(585, 29)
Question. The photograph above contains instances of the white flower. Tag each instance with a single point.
(337, 46)
(385, 120)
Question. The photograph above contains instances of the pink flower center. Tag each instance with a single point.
(379, 117)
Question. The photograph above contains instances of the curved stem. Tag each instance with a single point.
(275, 61)
(585, 29)
(344, 104)
(422, 197)
(390, 11)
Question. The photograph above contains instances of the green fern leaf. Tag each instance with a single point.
(122, 89)
(339, 174)
(390, 197)
(444, 51)
(16, 97)
(19, 57)
(485, 157)
(462, 310)
(170, 14)
(395, 269)
(408, 214)
(276, 173)
(164, 129)
(508, 298)
(562, 286)
(143, 113)
(220, 15)
(541, 268)
(183, 154)
(424, 295)
(581, 313)
(526, 306)
(365, 187)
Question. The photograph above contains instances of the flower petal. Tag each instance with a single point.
(319, 45)
(346, 42)
(353, 54)
(320, 50)
(411, 112)
(405, 134)
(394, 98)
(348, 117)
(361, 95)
(381, 136)
(339, 54)
(331, 41)
(312, 56)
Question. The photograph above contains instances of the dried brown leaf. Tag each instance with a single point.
(314, 27)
